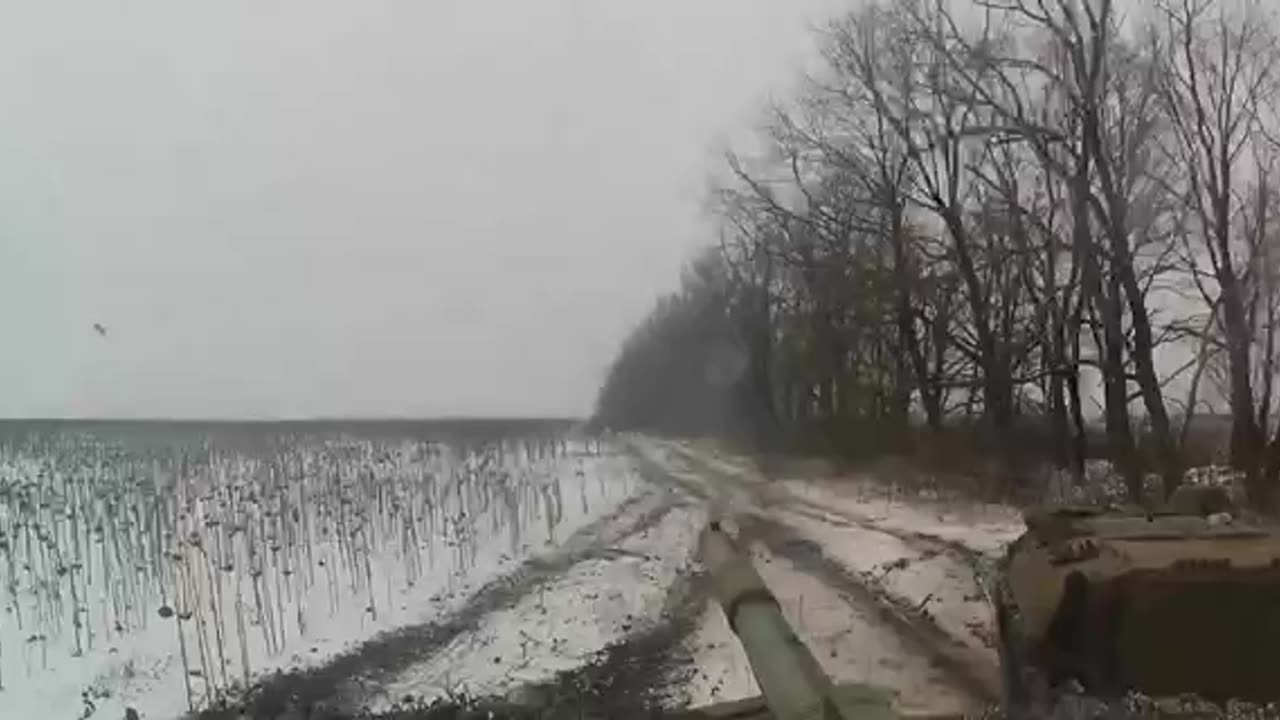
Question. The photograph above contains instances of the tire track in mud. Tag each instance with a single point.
(654, 473)
(635, 676)
(920, 632)
(974, 561)
(769, 496)
(324, 691)
(632, 677)
(981, 568)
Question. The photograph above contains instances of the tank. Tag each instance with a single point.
(793, 684)
(1176, 601)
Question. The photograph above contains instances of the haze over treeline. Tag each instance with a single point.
(973, 214)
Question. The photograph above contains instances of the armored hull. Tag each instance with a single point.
(1181, 601)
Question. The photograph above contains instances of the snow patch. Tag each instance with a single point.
(911, 550)
(924, 579)
(982, 528)
(720, 671)
(848, 640)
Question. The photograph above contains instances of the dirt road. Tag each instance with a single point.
(829, 569)
(616, 621)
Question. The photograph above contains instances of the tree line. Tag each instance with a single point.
(989, 213)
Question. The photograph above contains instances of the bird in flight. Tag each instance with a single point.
(98, 328)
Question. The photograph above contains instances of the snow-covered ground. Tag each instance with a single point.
(163, 584)
(985, 528)
(720, 669)
(563, 624)
(922, 557)
(847, 639)
(926, 580)
(159, 587)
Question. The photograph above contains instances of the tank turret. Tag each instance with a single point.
(1180, 600)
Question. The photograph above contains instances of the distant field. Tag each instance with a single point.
(160, 431)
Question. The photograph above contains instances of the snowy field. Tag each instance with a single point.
(392, 572)
(165, 580)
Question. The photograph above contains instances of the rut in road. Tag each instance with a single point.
(769, 496)
(924, 637)
(323, 691)
(918, 632)
(637, 676)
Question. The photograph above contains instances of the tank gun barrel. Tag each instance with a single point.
(793, 684)
(791, 680)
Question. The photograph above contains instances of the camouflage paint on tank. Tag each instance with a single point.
(1182, 600)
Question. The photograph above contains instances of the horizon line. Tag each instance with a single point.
(304, 419)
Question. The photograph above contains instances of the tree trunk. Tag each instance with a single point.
(1058, 421)
(1116, 392)
(1246, 436)
(997, 390)
(760, 396)
(906, 325)
(1080, 435)
(1143, 350)
(1108, 308)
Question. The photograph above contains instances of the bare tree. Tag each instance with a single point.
(910, 86)
(1070, 87)
(1218, 77)
(968, 216)
(838, 120)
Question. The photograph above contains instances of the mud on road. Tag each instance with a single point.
(632, 678)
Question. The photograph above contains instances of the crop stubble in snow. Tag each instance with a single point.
(282, 549)
(615, 591)
(329, 690)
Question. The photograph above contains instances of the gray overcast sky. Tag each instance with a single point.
(286, 208)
